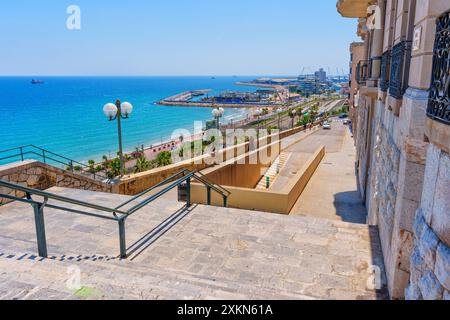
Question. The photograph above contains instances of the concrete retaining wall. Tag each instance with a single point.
(261, 200)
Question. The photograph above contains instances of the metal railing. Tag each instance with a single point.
(439, 95)
(30, 151)
(362, 72)
(399, 71)
(117, 214)
(384, 71)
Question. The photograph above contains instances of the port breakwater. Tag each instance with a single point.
(185, 99)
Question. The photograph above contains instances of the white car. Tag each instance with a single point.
(345, 121)
(326, 125)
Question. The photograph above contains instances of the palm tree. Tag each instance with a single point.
(91, 164)
(142, 164)
(164, 159)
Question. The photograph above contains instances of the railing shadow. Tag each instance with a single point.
(142, 244)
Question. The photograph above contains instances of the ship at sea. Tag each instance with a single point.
(34, 81)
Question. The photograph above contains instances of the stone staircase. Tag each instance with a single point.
(273, 171)
(175, 253)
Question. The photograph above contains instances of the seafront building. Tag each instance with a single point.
(401, 114)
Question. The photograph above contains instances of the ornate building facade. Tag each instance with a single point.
(401, 117)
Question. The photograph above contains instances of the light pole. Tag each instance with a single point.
(217, 114)
(292, 115)
(258, 113)
(117, 112)
(279, 110)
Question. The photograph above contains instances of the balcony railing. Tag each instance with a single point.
(439, 99)
(384, 72)
(362, 72)
(401, 58)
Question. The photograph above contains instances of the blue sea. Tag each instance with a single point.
(65, 115)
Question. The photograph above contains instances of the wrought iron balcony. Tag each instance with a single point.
(384, 72)
(362, 72)
(439, 99)
(401, 58)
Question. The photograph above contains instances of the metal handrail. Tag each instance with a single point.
(203, 178)
(159, 193)
(52, 196)
(117, 214)
(44, 154)
(152, 188)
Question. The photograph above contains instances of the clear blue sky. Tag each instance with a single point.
(174, 37)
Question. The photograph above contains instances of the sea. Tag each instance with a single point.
(65, 114)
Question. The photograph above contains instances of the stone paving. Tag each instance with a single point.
(332, 192)
(200, 253)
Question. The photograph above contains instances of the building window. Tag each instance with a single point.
(384, 73)
(401, 57)
(362, 72)
(439, 99)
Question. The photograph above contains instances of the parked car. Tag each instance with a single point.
(345, 121)
(326, 126)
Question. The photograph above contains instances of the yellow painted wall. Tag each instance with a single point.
(261, 200)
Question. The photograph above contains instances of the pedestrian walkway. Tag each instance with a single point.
(332, 192)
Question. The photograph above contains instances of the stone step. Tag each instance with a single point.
(273, 171)
(205, 250)
(124, 279)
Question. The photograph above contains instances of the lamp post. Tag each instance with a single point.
(294, 112)
(279, 110)
(117, 112)
(258, 113)
(217, 114)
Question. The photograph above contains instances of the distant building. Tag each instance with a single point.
(321, 76)
(308, 85)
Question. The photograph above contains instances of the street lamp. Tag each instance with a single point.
(258, 113)
(294, 112)
(117, 112)
(217, 114)
(279, 110)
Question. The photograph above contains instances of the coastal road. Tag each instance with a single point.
(285, 121)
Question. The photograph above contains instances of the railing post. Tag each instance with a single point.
(122, 240)
(71, 166)
(208, 196)
(43, 155)
(225, 201)
(21, 153)
(40, 229)
(188, 192)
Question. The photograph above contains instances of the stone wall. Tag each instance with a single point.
(430, 260)
(37, 175)
(407, 187)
